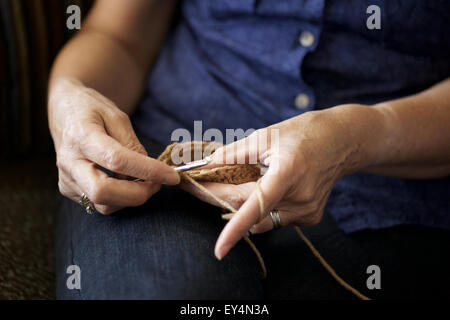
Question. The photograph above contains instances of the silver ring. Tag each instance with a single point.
(87, 204)
(275, 216)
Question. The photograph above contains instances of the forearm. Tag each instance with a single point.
(99, 62)
(407, 138)
(115, 49)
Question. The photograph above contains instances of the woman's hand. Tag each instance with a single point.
(89, 132)
(311, 153)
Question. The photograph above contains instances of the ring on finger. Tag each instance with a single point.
(87, 204)
(276, 220)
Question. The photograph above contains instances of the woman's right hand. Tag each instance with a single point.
(89, 131)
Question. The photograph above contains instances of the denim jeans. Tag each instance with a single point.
(164, 250)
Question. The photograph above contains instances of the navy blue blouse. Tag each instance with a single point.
(252, 63)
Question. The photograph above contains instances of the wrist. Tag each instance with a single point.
(59, 92)
(365, 134)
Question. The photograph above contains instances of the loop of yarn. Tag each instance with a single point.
(237, 174)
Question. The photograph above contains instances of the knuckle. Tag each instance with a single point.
(315, 219)
(105, 210)
(86, 94)
(135, 146)
(307, 195)
(315, 207)
(237, 199)
(62, 188)
(118, 116)
(151, 173)
(60, 164)
(69, 134)
(156, 188)
(62, 161)
(311, 219)
(151, 190)
(73, 131)
(98, 193)
(114, 161)
(122, 116)
(102, 211)
(75, 136)
(142, 199)
(140, 149)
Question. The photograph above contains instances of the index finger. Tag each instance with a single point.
(245, 151)
(257, 206)
(110, 154)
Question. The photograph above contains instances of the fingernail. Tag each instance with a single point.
(222, 251)
(218, 257)
(218, 254)
(252, 230)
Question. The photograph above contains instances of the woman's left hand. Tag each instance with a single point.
(310, 154)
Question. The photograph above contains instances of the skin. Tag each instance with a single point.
(89, 104)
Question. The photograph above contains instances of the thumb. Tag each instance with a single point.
(118, 126)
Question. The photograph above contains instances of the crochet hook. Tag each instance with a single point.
(187, 167)
(194, 165)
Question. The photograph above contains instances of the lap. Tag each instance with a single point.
(162, 250)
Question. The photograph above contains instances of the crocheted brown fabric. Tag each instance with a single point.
(236, 174)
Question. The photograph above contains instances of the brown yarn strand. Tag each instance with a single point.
(221, 202)
(229, 207)
(238, 174)
(262, 206)
(330, 269)
(311, 247)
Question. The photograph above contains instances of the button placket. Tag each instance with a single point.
(307, 40)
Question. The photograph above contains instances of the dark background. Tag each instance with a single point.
(31, 34)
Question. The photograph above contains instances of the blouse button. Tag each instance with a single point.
(302, 101)
(307, 39)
